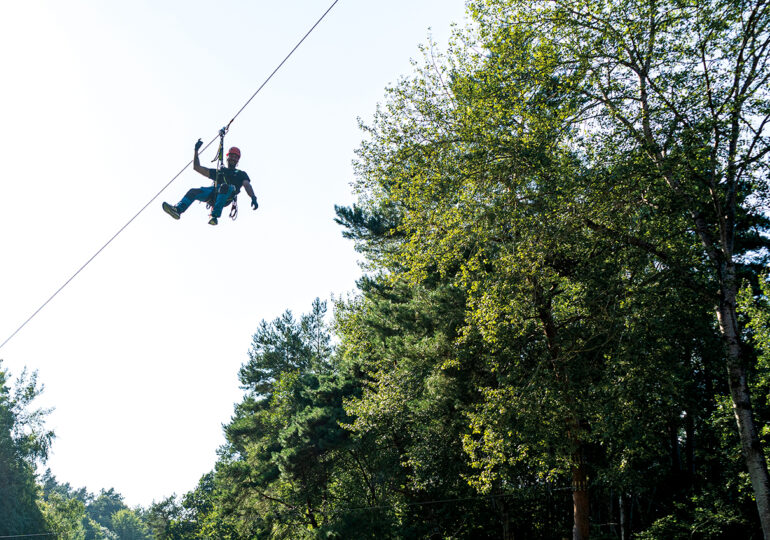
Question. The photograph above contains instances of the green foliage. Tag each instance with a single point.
(584, 283)
(167, 520)
(757, 310)
(24, 442)
(64, 517)
(411, 416)
(552, 213)
(275, 477)
(104, 506)
(128, 526)
(78, 514)
(283, 346)
(702, 518)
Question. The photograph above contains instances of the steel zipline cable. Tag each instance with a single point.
(172, 180)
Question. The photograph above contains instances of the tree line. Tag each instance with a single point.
(563, 324)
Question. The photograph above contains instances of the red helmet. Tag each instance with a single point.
(234, 150)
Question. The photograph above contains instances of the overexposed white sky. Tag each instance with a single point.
(100, 106)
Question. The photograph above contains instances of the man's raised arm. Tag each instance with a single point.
(205, 171)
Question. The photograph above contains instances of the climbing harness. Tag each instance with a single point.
(220, 184)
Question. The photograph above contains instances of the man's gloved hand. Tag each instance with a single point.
(198, 145)
(254, 203)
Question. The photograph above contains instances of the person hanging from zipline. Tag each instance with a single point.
(227, 184)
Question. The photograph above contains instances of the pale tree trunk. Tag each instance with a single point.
(738, 143)
(748, 75)
(741, 399)
(751, 448)
(720, 253)
(624, 524)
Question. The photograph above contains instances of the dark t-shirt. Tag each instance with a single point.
(234, 177)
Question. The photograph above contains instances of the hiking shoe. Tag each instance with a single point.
(213, 221)
(171, 210)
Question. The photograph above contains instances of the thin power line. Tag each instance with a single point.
(426, 503)
(170, 181)
(394, 506)
(28, 535)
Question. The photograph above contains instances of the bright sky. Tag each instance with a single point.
(101, 104)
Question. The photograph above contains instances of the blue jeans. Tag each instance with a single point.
(203, 194)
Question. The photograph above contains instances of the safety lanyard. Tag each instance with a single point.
(219, 158)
